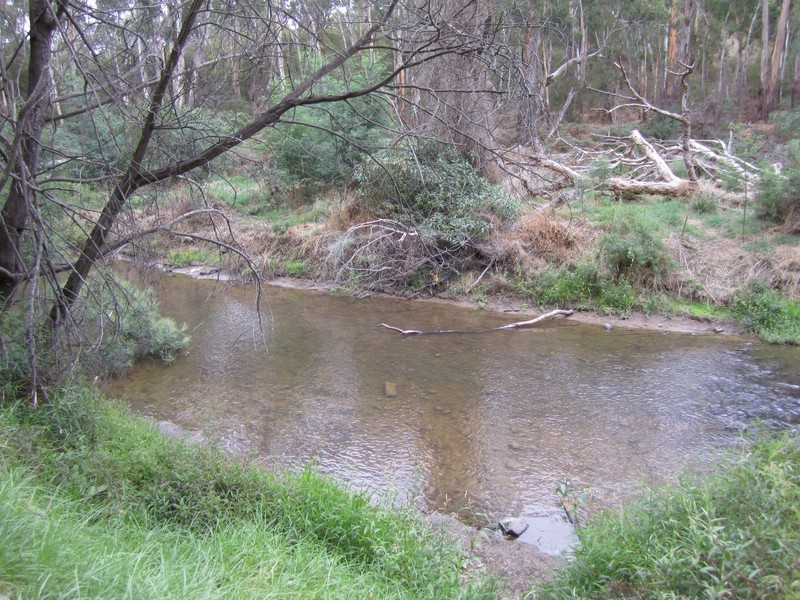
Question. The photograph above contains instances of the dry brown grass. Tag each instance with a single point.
(532, 242)
(716, 269)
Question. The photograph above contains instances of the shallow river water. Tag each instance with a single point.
(492, 421)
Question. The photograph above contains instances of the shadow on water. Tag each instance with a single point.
(493, 422)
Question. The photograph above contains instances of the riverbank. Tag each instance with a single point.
(101, 504)
(697, 277)
(514, 307)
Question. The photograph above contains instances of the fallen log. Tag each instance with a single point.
(519, 325)
(539, 319)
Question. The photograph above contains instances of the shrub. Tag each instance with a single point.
(705, 204)
(322, 146)
(431, 188)
(768, 314)
(568, 287)
(778, 194)
(632, 251)
(130, 327)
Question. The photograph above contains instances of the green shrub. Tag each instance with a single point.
(431, 188)
(297, 268)
(568, 287)
(705, 204)
(660, 127)
(632, 251)
(323, 144)
(130, 327)
(778, 194)
(618, 295)
(768, 314)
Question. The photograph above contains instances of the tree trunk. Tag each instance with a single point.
(778, 58)
(763, 85)
(24, 166)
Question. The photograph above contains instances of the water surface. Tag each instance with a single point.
(494, 421)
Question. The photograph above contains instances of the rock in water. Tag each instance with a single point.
(514, 527)
(391, 389)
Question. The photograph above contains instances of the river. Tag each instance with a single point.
(484, 423)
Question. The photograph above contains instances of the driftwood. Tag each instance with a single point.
(518, 325)
(539, 319)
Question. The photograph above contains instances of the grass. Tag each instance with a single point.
(104, 506)
(735, 535)
(700, 310)
(240, 191)
(768, 314)
(193, 256)
(583, 287)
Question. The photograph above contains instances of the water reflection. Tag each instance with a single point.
(495, 419)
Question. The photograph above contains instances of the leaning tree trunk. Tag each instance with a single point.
(30, 121)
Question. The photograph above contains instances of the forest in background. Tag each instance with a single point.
(579, 154)
(618, 156)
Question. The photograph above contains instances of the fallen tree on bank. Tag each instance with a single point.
(645, 165)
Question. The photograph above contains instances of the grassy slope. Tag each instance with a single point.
(98, 504)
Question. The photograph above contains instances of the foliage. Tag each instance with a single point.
(582, 287)
(735, 535)
(778, 194)
(632, 250)
(768, 314)
(705, 204)
(103, 503)
(322, 145)
(431, 188)
(787, 123)
(135, 328)
(297, 268)
(662, 128)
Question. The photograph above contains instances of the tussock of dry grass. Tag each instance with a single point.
(531, 242)
(722, 266)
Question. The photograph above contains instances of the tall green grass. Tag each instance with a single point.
(102, 505)
(735, 535)
(768, 314)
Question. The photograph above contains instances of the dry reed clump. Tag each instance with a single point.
(530, 242)
(348, 214)
(787, 267)
(716, 269)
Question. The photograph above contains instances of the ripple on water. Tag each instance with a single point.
(494, 421)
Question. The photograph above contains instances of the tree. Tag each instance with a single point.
(113, 91)
(119, 97)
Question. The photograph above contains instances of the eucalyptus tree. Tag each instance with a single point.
(118, 97)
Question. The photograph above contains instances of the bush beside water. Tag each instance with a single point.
(734, 535)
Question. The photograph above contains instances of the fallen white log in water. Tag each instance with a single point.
(518, 325)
